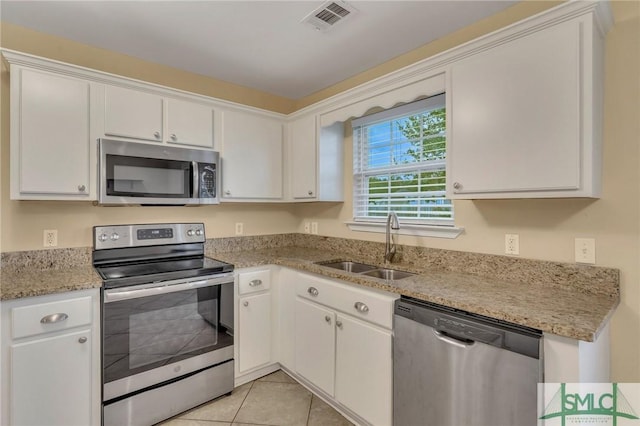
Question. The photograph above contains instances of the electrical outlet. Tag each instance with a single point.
(511, 244)
(585, 250)
(50, 238)
(239, 228)
(307, 227)
(314, 228)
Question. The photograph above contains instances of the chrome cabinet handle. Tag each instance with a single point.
(82, 340)
(245, 303)
(310, 192)
(327, 318)
(255, 283)
(81, 188)
(156, 134)
(361, 307)
(227, 192)
(339, 324)
(53, 318)
(313, 291)
(173, 137)
(457, 185)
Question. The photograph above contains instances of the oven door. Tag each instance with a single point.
(153, 333)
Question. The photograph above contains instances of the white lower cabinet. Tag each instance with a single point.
(315, 344)
(364, 369)
(51, 360)
(254, 320)
(54, 372)
(347, 356)
(254, 314)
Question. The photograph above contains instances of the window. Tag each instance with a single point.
(399, 164)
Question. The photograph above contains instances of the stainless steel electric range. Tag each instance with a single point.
(167, 321)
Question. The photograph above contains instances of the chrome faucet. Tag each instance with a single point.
(390, 244)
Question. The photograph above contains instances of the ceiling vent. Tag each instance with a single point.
(329, 14)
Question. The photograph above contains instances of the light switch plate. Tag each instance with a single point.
(239, 228)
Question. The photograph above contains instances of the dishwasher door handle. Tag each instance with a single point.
(452, 340)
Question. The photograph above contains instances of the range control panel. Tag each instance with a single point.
(122, 236)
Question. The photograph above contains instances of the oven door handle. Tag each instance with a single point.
(116, 295)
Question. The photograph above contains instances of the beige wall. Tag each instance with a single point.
(546, 227)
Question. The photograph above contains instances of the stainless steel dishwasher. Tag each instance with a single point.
(454, 368)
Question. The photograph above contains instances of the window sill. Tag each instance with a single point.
(409, 229)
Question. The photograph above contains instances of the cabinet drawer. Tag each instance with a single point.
(369, 305)
(47, 317)
(252, 282)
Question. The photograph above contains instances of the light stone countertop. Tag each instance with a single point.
(568, 300)
(553, 309)
(15, 284)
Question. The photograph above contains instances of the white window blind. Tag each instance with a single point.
(399, 164)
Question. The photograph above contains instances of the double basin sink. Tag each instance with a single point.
(368, 270)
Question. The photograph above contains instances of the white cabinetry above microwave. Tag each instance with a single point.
(139, 115)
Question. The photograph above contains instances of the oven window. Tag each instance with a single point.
(148, 332)
(148, 177)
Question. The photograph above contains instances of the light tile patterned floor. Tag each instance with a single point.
(274, 400)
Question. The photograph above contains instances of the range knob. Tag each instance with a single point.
(103, 237)
(190, 233)
(199, 232)
(115, 236)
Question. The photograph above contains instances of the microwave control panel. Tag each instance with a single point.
(207, 181)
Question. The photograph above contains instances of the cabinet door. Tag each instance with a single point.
(51, 381)
(189, 123)
(515, 116)
(254, 340)
(251, 156)
(303, 161)
(364, 370)
(50, 136)
(315, 344)
(132, 114)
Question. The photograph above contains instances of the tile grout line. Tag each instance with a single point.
(309, 412)
(242, 403)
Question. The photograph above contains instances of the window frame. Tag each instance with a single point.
(362, 172)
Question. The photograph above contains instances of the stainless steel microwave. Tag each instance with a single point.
(139, 173)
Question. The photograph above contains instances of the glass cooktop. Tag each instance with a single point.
(131, 273)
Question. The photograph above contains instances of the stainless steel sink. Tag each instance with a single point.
(348, 266)
(388, 274)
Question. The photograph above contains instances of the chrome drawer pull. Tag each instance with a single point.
(82, 340)
(313, 291)
(255, 283)
(50, 319)
(361, 307)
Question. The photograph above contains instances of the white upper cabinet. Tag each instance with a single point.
(315, 160)
(251, 156)
(302, 142)
(50, 139)
(189, 123)
(525, 115)
(132, 114)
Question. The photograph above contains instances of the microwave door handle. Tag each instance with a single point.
(196, 179)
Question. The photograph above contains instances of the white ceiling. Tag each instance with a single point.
(258, 44)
